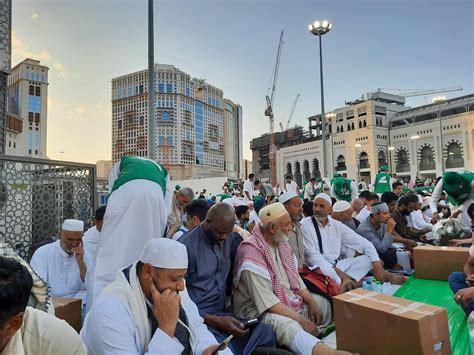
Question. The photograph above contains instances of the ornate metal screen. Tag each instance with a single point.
(36, 195)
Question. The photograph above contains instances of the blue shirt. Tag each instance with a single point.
(209, 266)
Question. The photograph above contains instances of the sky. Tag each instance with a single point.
(413, 44)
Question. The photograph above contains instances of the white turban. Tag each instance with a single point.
(165, 253)
(73, 225)
(324, 197)
(341, 206)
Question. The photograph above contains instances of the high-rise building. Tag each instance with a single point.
(5, 62)
(233, 139)
(189, 115)
(27, 98)
(103, 168)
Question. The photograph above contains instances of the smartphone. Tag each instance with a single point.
(225, 343)
(250, 324)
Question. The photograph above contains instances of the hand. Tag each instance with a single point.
(411, 243)
(232, 326)
(314, 313)
(470, 281)
(310, 327)
(211, 350)
(346, 285)
(378, 271)
(165, 308)
(391, 225)
(78, 253)
(464, 296)
(457, 213)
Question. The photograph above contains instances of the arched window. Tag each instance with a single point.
(306, 173)
(455, 158)
(364, 161)
(427, 161)
(403, 165)
(341, 163)
(298, 176)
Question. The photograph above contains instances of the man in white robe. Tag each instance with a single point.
(25, 330)
(137, 210)
(180, 200)
(92, 235)
(147, 309)
(335, 238)
(64, 264)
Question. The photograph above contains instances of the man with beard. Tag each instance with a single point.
(268, 285)
(404, 208)
(325, 239)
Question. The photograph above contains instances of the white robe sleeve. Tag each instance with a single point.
(435, 196)
(332, 193)
(313, 257)
(354, 191)
(352, 240)
(39, 262)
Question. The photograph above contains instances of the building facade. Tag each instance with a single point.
(5, 64)
(366, 134)
(247, 169)
(27, 111)
(233, 139)
(189, 113)
(103, 168)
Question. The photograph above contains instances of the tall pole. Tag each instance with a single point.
(441, 138)
(151, 87)
(323, 118)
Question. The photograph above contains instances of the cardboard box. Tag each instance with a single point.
(70, 310)
(374, 323)
(437, 263)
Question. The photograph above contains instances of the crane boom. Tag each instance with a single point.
(292, 111)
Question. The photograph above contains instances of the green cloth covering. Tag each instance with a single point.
(383, 183)
(342, 189)
(133, 168)
(438, 293)
(457, 185)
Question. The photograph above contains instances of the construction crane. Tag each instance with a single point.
(418, 92)
(292, 111)
(269, 113)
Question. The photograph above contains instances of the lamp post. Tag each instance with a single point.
(357, 146)
(320, 28)
(390, 150)
(331, 116)
(151, 86)
(415, 138)
(439, 100)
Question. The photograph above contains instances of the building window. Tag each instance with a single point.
(142, 120)
(161, 87)
(165, 115)
(169, 87)
(119, 124)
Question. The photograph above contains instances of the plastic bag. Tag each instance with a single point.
(448, 229)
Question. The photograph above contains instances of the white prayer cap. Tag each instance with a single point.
(271, 212)
(287, 196)
(324, 197)
(165, 253)
(341, 206)
(73, 225)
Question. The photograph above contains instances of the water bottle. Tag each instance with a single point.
(471, 330)
(403, 259)
(367, 285)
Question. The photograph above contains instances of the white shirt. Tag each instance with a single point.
(363, 214)
(90, 241)
(335, 237)
(248, 187)
(293, 186)
(417, 221)
(109, 328)
(308, 190)
(60, 270)
(436, 195)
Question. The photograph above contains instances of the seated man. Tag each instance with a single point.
(397, 188)
(461, 283)
(268, 286)
(324, 241)
(92, 235)
(416, 218)
(404, 208)
(342, 211)
(391, 198)
(360, 210)
(147, 309)
(209, 249)
(378, 229)
(63, 264)
(25, 330)
(195, 213)
(243, 215)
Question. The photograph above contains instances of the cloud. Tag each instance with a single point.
(21, 52)
(77, 113)
(60, 69)
(34, 16)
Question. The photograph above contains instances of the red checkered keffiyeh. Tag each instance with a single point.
(254, 254)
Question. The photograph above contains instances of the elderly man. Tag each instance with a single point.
(360, 211)
(25, 330)
(147, 309)
(378, 229)
(63, 264)
(181, 199)
(268, 285)
(92, 235)
(324, 241)
(138, 206)
(210, 247)
(342, 211)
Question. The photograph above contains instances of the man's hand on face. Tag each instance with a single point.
(78, 253)
(165, 308)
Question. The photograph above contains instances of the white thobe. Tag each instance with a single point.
(336, 237)
(90, 241)
(436, 195)
(109, 328)
(60, 270)
(248, 187)
(308, 191)
(417, 221)
(293, 186)
(363, 214)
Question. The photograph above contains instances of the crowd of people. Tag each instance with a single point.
(166, 270)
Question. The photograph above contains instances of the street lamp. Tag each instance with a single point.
(440, 100)
(415, 138)
(390, 150)
(357, 145)
(331, 116)
(320, 28)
